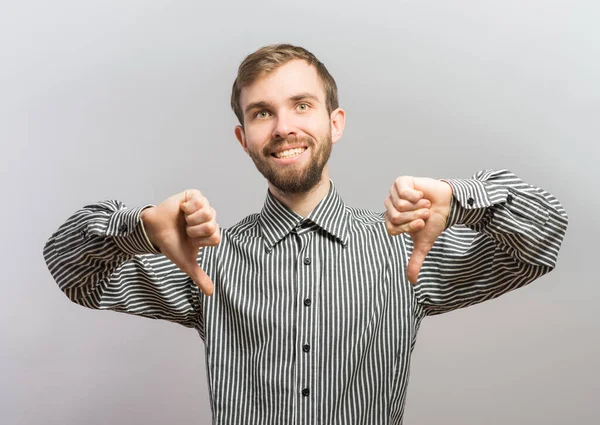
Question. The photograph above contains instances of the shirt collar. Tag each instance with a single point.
(277, 220)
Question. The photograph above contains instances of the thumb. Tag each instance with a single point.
(417, 258)
(203, 281)
(199, 276)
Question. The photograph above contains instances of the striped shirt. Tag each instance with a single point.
(312, 320)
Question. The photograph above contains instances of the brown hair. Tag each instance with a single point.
(267, 59)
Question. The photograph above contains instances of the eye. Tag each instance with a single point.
(261, 114)
(302, 107)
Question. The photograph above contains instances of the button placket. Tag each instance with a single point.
(307, 283)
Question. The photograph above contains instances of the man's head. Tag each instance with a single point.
(284, 97)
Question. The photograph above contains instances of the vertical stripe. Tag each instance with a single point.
(312, 320)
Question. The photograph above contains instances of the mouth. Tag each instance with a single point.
(290, 155)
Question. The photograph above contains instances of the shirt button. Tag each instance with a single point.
(470, 201)
(305, 392)
(306, 348)
(307, 302)
(123, 228)
(307, 261)
(509, 199)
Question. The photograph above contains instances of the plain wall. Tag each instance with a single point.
(129, 100)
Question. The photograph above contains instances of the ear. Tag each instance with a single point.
(338, 120)
(241, 136)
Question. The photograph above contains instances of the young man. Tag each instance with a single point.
(306, 309)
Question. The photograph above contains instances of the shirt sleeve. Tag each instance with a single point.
(501, 234)
(101, 258)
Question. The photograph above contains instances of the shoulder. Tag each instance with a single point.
(364, 217)
(362, 222)
(247, 226)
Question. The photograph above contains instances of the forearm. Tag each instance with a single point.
(101, 259)
(525, 221)
(502, 233)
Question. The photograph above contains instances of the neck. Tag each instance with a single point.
(303, 203)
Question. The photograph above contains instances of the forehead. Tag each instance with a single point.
(296, 76)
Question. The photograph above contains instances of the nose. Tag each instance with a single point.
(284, 126)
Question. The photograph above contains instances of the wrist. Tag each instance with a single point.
(145, 218)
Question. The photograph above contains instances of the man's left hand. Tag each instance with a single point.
(419, 206)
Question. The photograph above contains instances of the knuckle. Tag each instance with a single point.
(193, 204)
(388, 227)
(391, 229)
(189, 206)
(210, 228)
(389, 203)
(401, 181)
(215, 239)
(192, 194)
(413, 225)
(396, 217)
(405, 192)
(400, 205)
(209, 213)
(198, 217)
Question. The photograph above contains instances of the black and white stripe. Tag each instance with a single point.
(312, 320)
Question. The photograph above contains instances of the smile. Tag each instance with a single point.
(290, 153)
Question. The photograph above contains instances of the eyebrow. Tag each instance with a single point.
(297, 97)
(305, 95)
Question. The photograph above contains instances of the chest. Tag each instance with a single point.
(310, 286)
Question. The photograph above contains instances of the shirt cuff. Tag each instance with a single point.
(469, 201)
(128, 231)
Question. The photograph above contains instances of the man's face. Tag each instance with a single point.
(287, 130)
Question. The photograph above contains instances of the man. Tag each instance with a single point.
(307, 310)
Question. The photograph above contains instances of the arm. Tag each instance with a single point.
(101, 258)
(501, 234)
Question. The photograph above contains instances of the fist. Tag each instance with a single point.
(406, 207)
(179, 226)
(419, 207)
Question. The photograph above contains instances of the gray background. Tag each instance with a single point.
(129, 100)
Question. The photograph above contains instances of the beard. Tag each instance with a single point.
(293, 178)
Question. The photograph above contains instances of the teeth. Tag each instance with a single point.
(290, 152)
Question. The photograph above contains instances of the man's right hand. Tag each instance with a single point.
(179, 226)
